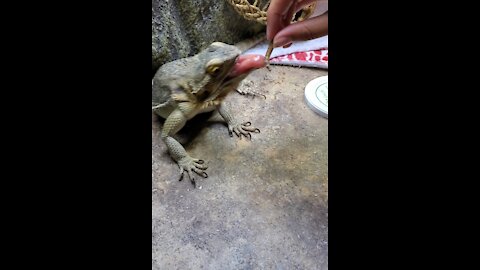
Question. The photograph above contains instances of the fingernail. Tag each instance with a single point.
(281, 41)
(288, 45)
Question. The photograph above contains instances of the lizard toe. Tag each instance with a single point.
(200, 172)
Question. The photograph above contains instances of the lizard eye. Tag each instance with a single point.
(213, 70)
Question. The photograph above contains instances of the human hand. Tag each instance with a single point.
(279, 29)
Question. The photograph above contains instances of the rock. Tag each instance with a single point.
(183, 28)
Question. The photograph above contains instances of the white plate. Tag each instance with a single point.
(316, 95)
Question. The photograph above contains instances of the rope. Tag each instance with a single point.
(254, 13)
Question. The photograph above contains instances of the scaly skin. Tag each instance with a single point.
(186, 87)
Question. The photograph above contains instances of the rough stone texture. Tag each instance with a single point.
(264, 204)
(182, 28)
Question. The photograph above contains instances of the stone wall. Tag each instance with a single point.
(181, 28)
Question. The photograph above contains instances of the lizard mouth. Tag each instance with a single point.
(245, 64)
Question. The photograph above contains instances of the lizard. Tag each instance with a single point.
(183, 88)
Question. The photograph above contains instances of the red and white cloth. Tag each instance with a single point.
(311, 53)
(316, 58)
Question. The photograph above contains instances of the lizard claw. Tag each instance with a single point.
(244, 129)
(189, 165)
(202, 174)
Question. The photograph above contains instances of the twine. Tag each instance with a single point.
(253, 12)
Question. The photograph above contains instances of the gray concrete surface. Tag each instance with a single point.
(264, 204)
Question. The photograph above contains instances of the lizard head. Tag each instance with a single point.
(223, 69)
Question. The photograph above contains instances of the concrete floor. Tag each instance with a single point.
(264, 204)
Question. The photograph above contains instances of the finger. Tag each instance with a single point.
(247, 124)
(304, 30)
(280, 14)
(276, 13)
(290, 14)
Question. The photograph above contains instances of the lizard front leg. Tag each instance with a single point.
(236, 127)
(174, 122)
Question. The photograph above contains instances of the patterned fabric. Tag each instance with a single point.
(316, 58)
